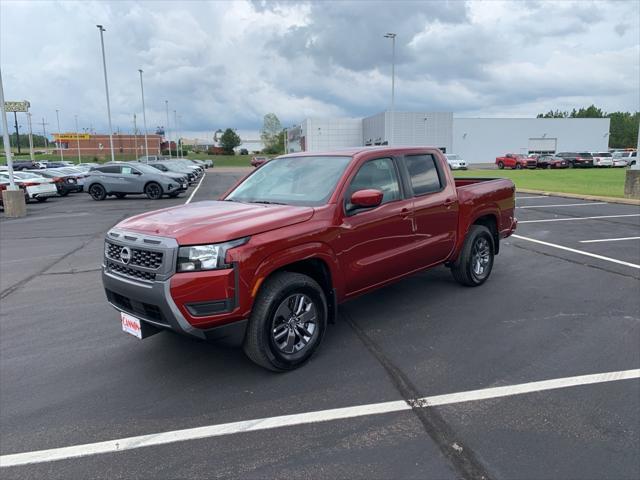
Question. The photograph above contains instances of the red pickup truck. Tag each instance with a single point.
(517, 161)
(270, 261)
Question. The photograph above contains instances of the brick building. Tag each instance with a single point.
(98, 145)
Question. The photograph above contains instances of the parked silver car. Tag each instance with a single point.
(122, 179)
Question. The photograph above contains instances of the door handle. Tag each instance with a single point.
(448, 202)
(405, 213)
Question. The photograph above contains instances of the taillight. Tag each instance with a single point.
(30, 184)
(58, 179)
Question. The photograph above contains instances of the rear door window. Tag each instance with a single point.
(423, 174)
(109, 169)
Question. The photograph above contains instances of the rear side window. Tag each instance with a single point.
(109, 169)
(423, 174)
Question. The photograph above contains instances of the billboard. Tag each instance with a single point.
(17, 106)
(64, 137)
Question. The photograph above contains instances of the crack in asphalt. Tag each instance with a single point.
(460, 456)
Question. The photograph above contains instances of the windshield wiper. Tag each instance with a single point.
(267, 202)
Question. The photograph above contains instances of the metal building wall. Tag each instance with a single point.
(331, 133)
(410, 128)
(481, 140)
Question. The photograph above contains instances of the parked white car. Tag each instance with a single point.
(602, 159)
(629, 158)
(455, 162)
(37, 187)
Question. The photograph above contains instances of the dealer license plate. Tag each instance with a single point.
(131, 325)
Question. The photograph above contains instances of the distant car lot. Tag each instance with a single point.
(560, 304)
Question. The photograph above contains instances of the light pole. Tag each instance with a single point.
(78, 138)
(59, 142)
(166, 105)
(106, 89)
(175, 122)
(5, 137)
(144, 117)
(392, 36)
(33, 158)
(44, 134)
(135, 133)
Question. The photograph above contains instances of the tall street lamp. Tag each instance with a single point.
(392, 36)
(175, 122)
(59, 142)
(168, 131)
(106, 88)
(144, 117)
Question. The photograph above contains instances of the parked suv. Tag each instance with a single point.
(122, 179)
(582, 159)
(25, 165)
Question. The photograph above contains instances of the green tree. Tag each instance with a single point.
(271, 134)
(590, 112)
(229, 140)
(38, 140)
(553, 114)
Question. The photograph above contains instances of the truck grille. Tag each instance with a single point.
(139, 257)
(131, 272)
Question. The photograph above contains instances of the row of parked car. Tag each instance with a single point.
(154, 177)
(567, 160)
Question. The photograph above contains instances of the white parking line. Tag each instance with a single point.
(195, 189)
(163, 438)
(610, 240)
(573, 219)
(580, 252)
(564, 205)
(527, 198)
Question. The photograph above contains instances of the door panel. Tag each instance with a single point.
(435, 207)
(372, 244)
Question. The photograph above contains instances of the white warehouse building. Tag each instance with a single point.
(477, 140)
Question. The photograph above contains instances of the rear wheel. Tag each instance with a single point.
(500, 165)
(518, 166)
(475, 262)
(153, 191)
(97, 192)
(287, 322)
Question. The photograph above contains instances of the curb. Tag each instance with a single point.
(625, 201)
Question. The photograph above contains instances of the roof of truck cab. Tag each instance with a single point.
(351, 151)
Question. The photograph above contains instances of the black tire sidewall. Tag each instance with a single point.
(469, 261)
(151, 184)
(278, 360)
(99, 197)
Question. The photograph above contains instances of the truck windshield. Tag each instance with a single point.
(305, 181)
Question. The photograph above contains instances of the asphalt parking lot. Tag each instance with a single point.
(563, 301)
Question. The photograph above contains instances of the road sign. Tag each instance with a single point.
(17, 106)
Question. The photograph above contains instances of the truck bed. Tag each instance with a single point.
(486, 196)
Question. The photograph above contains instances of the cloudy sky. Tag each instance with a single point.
(226, 64)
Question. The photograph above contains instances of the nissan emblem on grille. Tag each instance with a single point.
(125, 255)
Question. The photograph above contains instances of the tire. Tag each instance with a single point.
(500, 165)
(474, 265)
(153, 191)
(548, 166)
(63, 193)
(572, 165)
(42, 199)
(120, 195)
(270, 334)
(97, 192)
(518, 166)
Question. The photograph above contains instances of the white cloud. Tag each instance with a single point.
(226, 64)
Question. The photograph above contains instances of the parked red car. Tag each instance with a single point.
(551, 161)
(270, 262)
(516, 160)
(257, 161)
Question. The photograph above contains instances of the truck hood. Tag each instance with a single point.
(215, 221)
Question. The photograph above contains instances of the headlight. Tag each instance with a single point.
(206, 257)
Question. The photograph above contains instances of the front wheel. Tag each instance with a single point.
(474, 265)
(500, 165)
(518, 166)
(153, 191)
(287, 322)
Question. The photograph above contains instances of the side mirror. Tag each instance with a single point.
(137, 172)
(366, 198)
